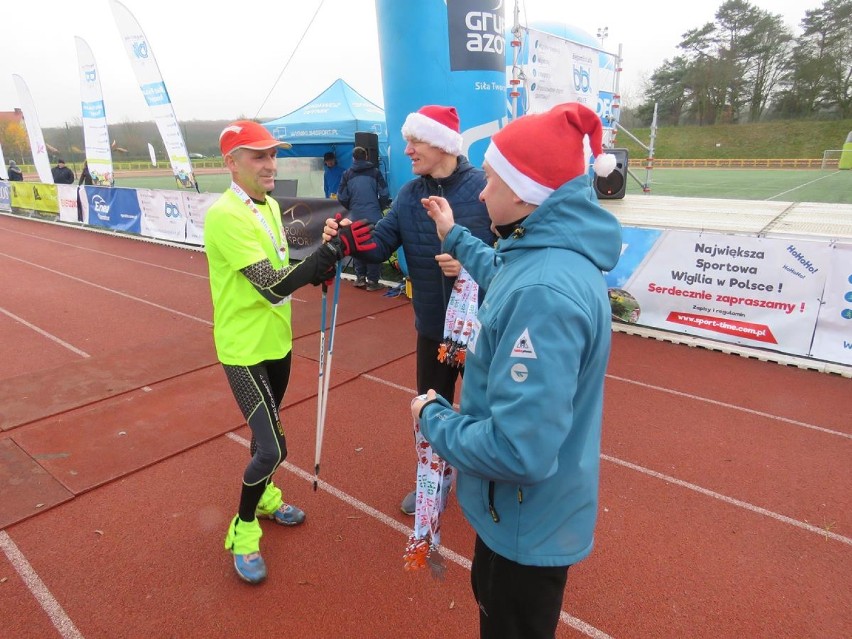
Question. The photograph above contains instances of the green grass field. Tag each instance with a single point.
(780, 185)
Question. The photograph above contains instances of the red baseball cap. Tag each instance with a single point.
(246, 134)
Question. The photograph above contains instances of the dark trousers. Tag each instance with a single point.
(515, 601)
(367, 269)
(259, 391)
(434, 374)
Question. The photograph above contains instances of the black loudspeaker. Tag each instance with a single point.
(613, 186)
(369, 141)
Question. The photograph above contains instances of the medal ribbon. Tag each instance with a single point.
(434, 481)
(236, 188)
(459, 319)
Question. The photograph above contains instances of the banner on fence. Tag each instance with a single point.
(833, 335)
(5, 197)
(116, 209)
(162, 214)
(752, 291)
(45, 198)
(67, 196)
(195, 208)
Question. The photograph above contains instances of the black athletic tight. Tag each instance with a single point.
(259, 391)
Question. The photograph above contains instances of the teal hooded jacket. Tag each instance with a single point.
(526, 441)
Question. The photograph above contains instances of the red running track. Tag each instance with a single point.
(725, 495)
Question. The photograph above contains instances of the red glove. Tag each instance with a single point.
(356, 237)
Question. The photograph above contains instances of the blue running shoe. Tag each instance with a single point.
(250, 568)
(286, 515)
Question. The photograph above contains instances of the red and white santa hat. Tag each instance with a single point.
(537, 153)
(436, 125)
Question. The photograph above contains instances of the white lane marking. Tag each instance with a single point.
(36, 586)
(49, 336)
(456, 558)
(733, 407)
(111, 290)
(823, 532)
(704, 491)
(114, 255)
(795, 188)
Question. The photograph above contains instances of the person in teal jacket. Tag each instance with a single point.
(526, 440)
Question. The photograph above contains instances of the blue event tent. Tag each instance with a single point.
(328, 123)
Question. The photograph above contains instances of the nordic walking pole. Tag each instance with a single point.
(326, 376)
(320, 411)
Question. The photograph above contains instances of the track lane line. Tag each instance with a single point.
(464, 562)
(39, 590)
(822, 532)
(684, 484)
(44, 333)
(113, 255)
(110, 290)
(742, 409)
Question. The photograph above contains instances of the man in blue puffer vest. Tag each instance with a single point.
(434, 144)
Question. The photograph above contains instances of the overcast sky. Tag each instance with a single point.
(220, 60)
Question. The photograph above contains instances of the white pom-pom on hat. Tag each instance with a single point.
(537, 153)
(604, 164)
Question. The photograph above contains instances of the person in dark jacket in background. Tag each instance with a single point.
(15, 173)
(364, 192)
(434, 144)
(85, 176)
(62, 174)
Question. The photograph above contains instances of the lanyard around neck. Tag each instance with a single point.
(240, 193)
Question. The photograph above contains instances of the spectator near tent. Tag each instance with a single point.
(364, 192)
(331, 175)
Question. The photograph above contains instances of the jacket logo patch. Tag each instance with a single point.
(523, 346)
(519, 373)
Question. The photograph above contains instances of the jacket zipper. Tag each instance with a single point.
(491, 509)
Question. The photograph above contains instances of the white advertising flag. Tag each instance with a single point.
(37, 145)
(154, 90)
(3, 174)
(95, 132)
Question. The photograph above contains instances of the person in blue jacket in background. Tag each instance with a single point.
(364, 193)
(526, 440)
(332, 173)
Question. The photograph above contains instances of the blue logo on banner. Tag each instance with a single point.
(140, 49)
(116, 209)
(94, 109)
(155, 94)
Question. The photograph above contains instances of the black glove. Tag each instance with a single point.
(323, 261)
(356, 237)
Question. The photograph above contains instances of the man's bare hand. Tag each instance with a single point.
(440, 211)
(330, 229)
(449, 266)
